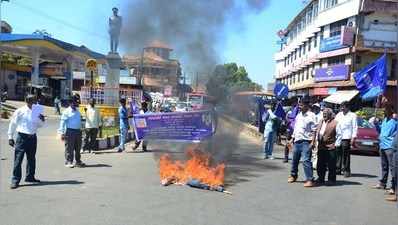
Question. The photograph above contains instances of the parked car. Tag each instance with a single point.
(367, 141)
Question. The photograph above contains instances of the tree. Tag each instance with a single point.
(228, 79)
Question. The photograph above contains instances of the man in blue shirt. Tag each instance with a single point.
(123, 124)
(395, 159)
(388, 131)
(70, 131)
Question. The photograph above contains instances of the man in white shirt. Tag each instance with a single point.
(303, 134)
(93, 122)
(316, 109)
(346, 132)
(24, 126)
(144, 110)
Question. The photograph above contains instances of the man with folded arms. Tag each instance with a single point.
(24, 127)
(326, 139)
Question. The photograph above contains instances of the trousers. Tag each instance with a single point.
(73, 143)
(24, 144)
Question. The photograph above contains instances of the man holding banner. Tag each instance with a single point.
(144, 110)
(193, 126)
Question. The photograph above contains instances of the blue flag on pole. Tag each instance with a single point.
(279, 112)
(371, 81)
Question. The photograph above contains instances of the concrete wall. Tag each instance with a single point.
(379, 30)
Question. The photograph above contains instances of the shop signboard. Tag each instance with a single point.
(323, 91)
(347, 36)
(331, 43)
(345, 39)
(332, 73)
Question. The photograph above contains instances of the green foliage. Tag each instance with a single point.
(110, 131)
(228, 79)
(18, 60)
(367, 113)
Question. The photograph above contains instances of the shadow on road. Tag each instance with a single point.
(97, 166)
(362, 175)
(241, 168)
(60, 182)
(346, 182)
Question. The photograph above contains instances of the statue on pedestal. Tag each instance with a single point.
(115, 25)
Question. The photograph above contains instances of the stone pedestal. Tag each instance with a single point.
(111, 90)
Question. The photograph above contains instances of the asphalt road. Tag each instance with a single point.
(120, 189)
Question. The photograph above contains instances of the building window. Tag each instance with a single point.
(309, 44)
(299, 51)
(309, 14)
(335, 28)
(304, 45)
(315, 40)
(307, 74)
(336, 60)
(330, 3)
(315, 7)
(321, 33)
(295, 54)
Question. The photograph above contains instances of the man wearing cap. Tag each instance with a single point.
(70, 131)
(24, 127)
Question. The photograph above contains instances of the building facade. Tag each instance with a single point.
(155, 70)
(30, 60)
(329, 40)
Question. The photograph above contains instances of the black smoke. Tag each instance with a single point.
(193, 28)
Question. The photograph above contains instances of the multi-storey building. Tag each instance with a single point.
(329, 40)
(159, 73)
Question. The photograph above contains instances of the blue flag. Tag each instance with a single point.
(371, 81)
(279, 112)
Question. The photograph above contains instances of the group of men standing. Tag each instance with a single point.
(323, 140)
(25, 123)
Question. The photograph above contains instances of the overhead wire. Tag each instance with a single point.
(59, 21)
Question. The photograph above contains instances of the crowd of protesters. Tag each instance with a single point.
(315, 134)
(322, 139)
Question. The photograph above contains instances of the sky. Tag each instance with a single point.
(84, 22)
